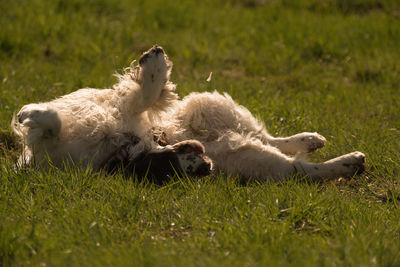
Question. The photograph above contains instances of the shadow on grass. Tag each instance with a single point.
(369, 184)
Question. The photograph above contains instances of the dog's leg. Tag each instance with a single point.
(249, 157)
(36, 122)
(298, 143)
(236, 154)
(342, 166)
(154, 73)
(211, 113)
(151, 87)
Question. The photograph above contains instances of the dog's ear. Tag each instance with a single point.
(189, 146)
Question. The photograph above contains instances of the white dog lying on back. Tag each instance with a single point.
(92, 126)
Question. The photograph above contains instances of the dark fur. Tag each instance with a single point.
(158, 165)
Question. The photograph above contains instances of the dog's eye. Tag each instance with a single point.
(189, 169)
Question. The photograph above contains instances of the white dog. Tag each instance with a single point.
(128, 123)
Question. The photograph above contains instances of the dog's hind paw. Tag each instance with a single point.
(301, 143)
(348, 165)
(311, 141)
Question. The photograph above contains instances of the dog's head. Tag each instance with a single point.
(191, 158)
(159, 165)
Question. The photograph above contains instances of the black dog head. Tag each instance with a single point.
(191, 158)
(160, 164)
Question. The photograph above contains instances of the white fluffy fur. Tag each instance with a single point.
(87, 125)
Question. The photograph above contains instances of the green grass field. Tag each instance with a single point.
(329, 66)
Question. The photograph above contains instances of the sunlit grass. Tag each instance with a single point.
(326, 66)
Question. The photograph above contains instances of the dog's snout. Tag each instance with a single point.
(204, 169)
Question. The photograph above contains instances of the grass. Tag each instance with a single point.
(329, 66)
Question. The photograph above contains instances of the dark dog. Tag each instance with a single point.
(159, 165)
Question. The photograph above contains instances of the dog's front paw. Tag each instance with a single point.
(349, 164)
(155, 51)
(40, 117)
(155, 65)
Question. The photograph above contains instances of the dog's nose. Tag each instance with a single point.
(204, 169)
